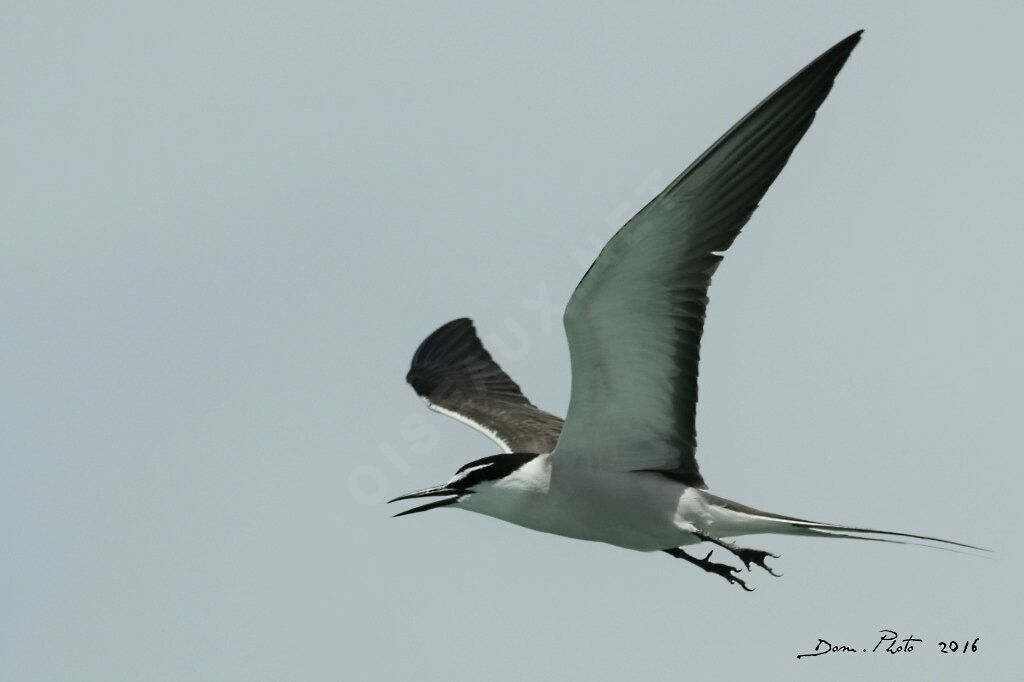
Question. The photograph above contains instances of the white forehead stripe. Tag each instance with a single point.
(466, 472)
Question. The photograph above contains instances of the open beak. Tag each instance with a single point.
(436, 491)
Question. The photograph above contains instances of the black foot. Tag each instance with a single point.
(747, 556)
(724, 570)
(755, 556)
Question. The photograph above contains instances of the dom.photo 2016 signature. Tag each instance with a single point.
(891, 643)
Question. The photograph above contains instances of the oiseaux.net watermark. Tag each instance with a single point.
(537, 316)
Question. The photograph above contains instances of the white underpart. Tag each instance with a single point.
(470, 423)
(636, 510)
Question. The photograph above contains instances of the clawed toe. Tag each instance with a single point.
(747, 556)
(727, 572)
(724, 570)
(757, 556)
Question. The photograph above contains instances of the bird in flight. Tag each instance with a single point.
(622, 468)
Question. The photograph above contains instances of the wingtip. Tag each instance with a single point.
(826, 66)
(437, 341)
(452, 358)
(849, 42)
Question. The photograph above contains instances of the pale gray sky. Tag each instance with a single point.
(227, 227)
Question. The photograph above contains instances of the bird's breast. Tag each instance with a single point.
(627, 509)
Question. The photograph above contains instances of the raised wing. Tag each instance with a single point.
(635, 321)
(456, 376)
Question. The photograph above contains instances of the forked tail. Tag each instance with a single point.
(834, 530)
(791, 525)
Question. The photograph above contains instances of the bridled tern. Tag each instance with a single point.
(621, 469)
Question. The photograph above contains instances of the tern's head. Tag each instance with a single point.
(470, 479)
